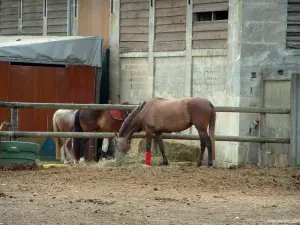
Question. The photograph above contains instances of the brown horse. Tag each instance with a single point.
(94, 120)
(160, 115)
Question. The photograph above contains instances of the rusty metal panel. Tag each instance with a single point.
(74, 84)
(4, 88)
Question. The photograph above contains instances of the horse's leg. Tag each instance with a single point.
(105, 144)
(161, 146)
(67, 151)
(149, 136)
(207, 142)
(202, 146)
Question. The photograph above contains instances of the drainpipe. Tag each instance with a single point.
(69, 18)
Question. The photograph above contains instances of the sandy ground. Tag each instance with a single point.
(156, 195)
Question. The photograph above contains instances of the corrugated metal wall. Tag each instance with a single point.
(75, 84)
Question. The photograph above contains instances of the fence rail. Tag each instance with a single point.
(139, 135)
(15, 106)
(119, 106)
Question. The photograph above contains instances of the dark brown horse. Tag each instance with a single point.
(160, 115)
(94, 120)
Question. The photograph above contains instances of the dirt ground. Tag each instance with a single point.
(156, 195)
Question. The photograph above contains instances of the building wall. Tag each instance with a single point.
(166, 53)
(93, 19)
(264, 57)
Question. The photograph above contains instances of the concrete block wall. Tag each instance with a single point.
(263, 56)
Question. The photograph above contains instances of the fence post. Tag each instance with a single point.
(14, 121)
(295, 120)
(262, 129)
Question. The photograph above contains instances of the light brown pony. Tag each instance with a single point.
(63, 121)
(160, 115)
(94, 120)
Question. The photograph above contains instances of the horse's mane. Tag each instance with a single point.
(129, 119)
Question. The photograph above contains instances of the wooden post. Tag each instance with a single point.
(14, 121)
(261, 161)
(295, 120)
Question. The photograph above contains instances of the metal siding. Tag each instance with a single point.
(45, 84)
(4, 88)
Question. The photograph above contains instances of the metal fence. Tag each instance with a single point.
(14, 133)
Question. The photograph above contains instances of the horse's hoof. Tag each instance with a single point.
(210, 166)
(164, 163)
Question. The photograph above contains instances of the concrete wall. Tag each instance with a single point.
(263, 52)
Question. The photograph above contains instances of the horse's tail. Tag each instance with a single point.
(212, 124)
(58, 141)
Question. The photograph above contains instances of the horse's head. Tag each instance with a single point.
(122, 145)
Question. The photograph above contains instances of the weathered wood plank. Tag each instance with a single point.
(294, 8)
(33, 23)
(59, 21)
(210, 26)
(55, 2)
(32, 3)
(55, 15)
(176, 36)
(134, 30)
(210, 35)
(181, 11)
(293, 39)
(210, 44)
(9, 4)
(165, 4)
(31, 9)
(8, 18)
(170, 28)
(133, 1)
(134, 6)
(134, 37)
(292, 17)
(9, 11)
(196, 2)
(57, 29)
(32, 30)
(57, 7)
(56, 33)
(169, 46)
(134, 22)
(133, 47)
(293, 28)
(31, 16)
(9, 31)
(211, 7)
(10, 24)
(171, 20)
(135, 14)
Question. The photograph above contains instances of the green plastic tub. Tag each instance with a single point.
(18, 152)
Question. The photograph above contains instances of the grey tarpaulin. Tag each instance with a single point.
(73, 50)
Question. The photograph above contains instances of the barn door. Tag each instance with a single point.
(277, 94)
